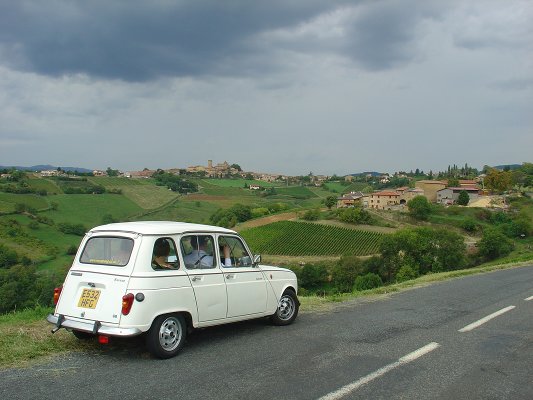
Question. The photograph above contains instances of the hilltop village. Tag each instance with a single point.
(383, 191)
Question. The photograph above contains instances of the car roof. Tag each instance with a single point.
(159, 228)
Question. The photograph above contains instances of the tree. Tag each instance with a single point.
(330, 202)
(423, 249)
(463, 199)
(498, 181)
(236, 166)
(112, 172)
(453, 182)
(419, 208)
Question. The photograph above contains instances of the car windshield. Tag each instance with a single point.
(113, 251)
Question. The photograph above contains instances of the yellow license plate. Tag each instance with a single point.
(89, 298)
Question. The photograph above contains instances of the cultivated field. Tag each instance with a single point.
(298, 238)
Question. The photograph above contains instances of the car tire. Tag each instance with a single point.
(287, 310)
(82, 335)
(166, 336)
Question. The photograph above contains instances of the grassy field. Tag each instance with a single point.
(298, 192)
(301, 238)
(47, 184)
(89, 209)
(239, 183)
(143, 192)
(9, 200)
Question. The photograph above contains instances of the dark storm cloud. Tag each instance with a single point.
(384, 35)
(144, 40)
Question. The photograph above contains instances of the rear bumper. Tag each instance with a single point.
(94, 327)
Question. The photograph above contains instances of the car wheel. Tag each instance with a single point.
(166, 336)
(82, 335)
(288, 307)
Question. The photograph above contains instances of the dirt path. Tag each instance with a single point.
(266, 220)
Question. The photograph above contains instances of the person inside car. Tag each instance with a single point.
(160, 255)
(202, 254)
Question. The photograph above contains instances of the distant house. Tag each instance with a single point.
(97, 172)
(147, 173)
(407, 194)
(51, 172)
(351, 200)
(430, 188)
(451, 194)
(385, 200)
(255, 187)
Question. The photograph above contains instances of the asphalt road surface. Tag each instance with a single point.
(467, 338)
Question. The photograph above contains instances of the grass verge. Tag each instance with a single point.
(25, 335)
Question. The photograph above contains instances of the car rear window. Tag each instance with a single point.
(113, 251)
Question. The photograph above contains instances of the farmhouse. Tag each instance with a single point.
(147, 173)
(430, 188)
(385, 200)
(451, 194)
(351, 200)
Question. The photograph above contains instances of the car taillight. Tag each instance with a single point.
(57, 293)
(127, 302)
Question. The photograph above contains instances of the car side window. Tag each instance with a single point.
(164, 255)
(198, 251)
(233, 253)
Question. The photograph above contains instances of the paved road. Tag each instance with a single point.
(418, 344)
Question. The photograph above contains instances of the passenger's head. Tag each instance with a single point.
(161, 248)
(198, 242)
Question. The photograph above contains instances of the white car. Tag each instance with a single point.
(162, 279)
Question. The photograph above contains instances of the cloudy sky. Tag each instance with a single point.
(282, 86)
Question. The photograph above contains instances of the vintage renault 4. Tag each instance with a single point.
(162, 279)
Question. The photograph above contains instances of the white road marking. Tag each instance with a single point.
(480, 322)
(529, 298)
(343, 391)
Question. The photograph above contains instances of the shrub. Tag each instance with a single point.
(311, 215)
(494, 244)
(33, 225)
(71, 250)
(345, 272)
(355, 215)
(368, 281)
(259, 212)
(428, 250)
(463, 198)
(469, 225)
(72, 229)
(8, 257)
(406, 273)
(313, 276)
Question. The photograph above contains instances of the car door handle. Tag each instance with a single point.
(258, 279)
(196, 278)
(230, 276)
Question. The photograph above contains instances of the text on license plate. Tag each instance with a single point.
(89, 298)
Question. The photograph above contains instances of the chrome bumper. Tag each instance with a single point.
(93, 327)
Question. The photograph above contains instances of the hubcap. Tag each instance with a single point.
(286, 307)
(170, 334)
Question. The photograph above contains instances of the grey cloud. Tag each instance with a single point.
(138, 41)
(144, 40)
